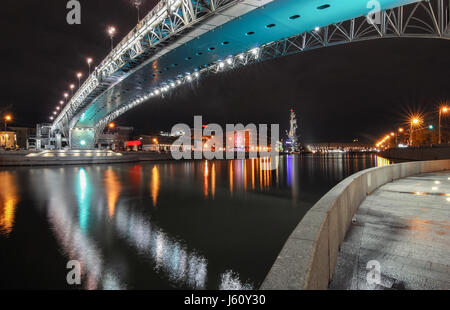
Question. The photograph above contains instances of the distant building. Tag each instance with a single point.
(339, 147)
(22, 135)
(158, 143)
(116, 138)
(8, 139)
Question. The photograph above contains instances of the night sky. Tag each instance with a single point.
(362, 90)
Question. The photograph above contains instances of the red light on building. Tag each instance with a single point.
(133, 143)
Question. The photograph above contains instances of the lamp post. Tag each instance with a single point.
(137, 4)
(400, 130)
(79, 75)
(66, 95)
(7, 118)
(72, 88)
(415, 121)
(111, 33)
(441, 110)
(89, 62)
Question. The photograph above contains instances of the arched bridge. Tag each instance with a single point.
(181, 41)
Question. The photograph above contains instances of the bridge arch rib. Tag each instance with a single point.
(416, 19)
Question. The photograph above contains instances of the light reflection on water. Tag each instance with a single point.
(196, 224)
(8, 201)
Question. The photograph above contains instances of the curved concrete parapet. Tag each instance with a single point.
(309, 256)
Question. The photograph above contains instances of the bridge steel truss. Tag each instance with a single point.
(425, 19)
(171, 19)
(165, 23)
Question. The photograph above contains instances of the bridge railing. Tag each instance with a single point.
(153, 18)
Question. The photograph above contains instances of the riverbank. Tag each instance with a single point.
(308, 258)
(433, 152)
(85, 157)
(26, 158)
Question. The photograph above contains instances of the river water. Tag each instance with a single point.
(158, 225)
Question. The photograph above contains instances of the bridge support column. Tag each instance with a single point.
(82, 138)
(58, 141)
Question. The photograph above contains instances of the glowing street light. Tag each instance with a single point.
(414, 122)
(61, 102)
(111, 33)
(111, 125)
(7, 118)
(443, 109)
(79, 75)
(72, 86)
(66, 95)
(89, 62)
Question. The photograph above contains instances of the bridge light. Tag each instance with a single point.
(157, 92)
(189, 78)
(196, 74)
(229, 61)
(221, 64)
(111, 33)
(51, 118)
(82, 142)
(54, 112)
(57, 108)
(66, 95)
(61, 102)
(179, 82)
(241, 56)
(317, 29)
(172, 84)
(89, 62)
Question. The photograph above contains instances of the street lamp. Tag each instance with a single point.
(61, 102)
(443, 109)
(111, 33)
(137, 4)
(414, 121)
(7, 118)
(66, 95)
(89, 62)
(400, 130)
(79, 75)
(71, 88)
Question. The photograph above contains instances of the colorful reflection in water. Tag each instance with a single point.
(83, 192)
(113, 189)
(155, 185)
(217, 225)
(8, 201)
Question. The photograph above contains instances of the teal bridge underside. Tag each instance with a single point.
(269, 23)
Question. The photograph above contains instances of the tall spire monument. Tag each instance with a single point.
(292, 141)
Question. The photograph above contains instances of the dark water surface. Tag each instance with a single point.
(194, 224)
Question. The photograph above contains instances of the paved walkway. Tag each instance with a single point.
(405, 226)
